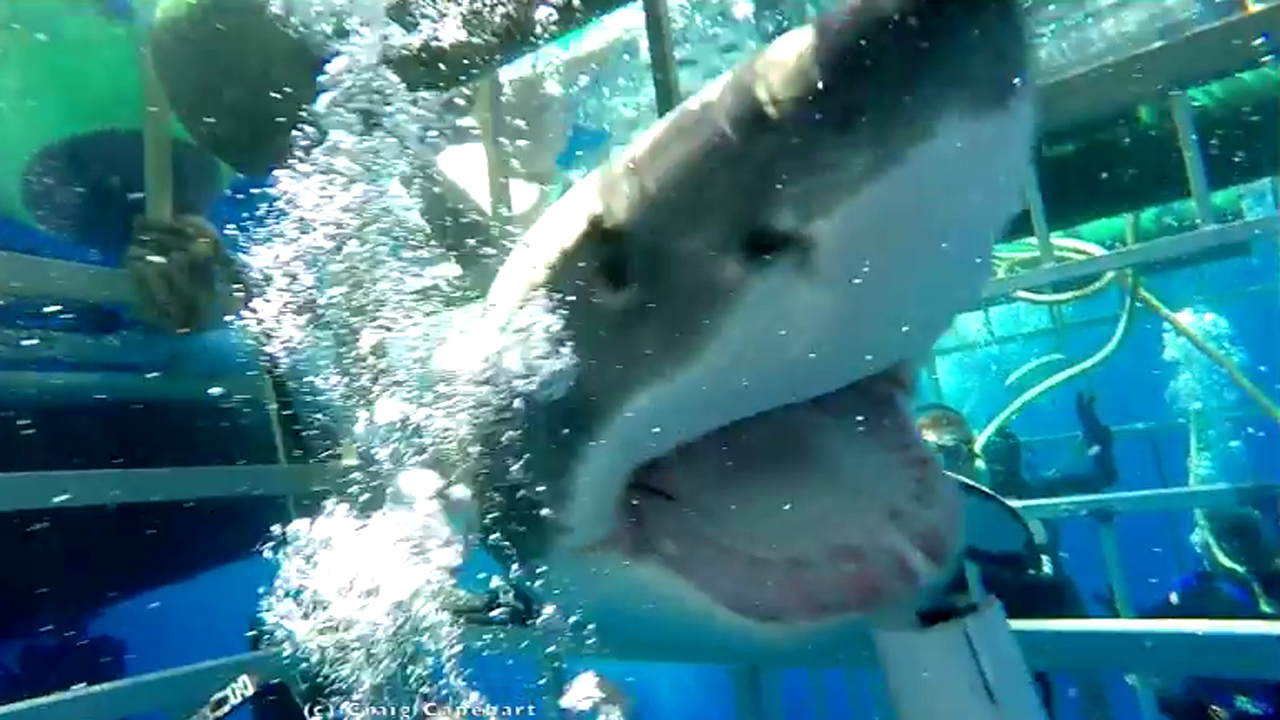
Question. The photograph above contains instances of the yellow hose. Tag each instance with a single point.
(1060, 377)
(1074, 249)
(1233, 371)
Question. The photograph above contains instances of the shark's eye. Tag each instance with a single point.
(763, 245)
(613, 269)
(609, 248)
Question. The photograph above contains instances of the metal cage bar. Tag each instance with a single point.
(1219, 648)
(662, 57)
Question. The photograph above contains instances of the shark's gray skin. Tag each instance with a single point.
(747, 288)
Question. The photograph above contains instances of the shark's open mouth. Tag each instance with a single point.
(824, 508)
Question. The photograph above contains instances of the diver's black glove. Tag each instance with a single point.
(1003, 458)
(1096, 434)
(1098, 440)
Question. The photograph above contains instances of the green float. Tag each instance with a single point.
(71, 114)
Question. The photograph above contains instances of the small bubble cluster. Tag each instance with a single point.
(1203, 390)
(1203, 394)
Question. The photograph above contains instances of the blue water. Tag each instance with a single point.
(208, 616)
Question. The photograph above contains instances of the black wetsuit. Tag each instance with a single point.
(510, 604)
(1039, 587)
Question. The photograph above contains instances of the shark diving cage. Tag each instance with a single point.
(1199, 78)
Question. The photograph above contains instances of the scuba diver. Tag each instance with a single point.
(506, 603)
(1239, 580)
(1038, 587)
(999, 469)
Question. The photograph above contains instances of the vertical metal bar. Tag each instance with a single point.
(1192, 158)
(1039, 220)
(876, 684)
(662, 58)
(1124, 603)
(772, 18)
(489, 115)
(552, 683)
(157, 141)
(1040, 225)
(818, 688)
(934, 379)
(748, 692)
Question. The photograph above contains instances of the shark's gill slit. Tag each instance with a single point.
(651, 491)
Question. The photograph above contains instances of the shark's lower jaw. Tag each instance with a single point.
(827, 508)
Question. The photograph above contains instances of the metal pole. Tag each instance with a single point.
(1040, 225)
(1124, 604)
(877, 686)
(1039, 220)
(489, 115)
(748, 692)
(934, 379)
(552, 684)
(1192, 159)
(1193, 166)
(821, 711)
(772, 18)
(662, 58)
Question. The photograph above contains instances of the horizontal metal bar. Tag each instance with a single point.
(179, 692)
(28, 276)
(1156, 500)
(1243, 649)
(80, 488)
(1139, 256)
(34, 385)
(1133, 428)
(120, 348)
(19, 491)
(944, 349)
(1239, 649)
(1220, 50)
(1186, 648)
(23, 275)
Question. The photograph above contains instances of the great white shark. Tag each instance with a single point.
(747, 291)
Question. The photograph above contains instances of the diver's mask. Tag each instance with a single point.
(956, 455)
(948, 435)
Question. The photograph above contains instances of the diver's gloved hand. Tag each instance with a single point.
(1003, 458)
(1098, 440)
(185, 279)
(1094, 431)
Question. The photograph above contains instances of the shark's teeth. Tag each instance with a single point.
(824, 509)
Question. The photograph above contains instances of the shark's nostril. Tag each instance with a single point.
(652, 491)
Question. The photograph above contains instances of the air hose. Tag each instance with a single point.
(1024, 253)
